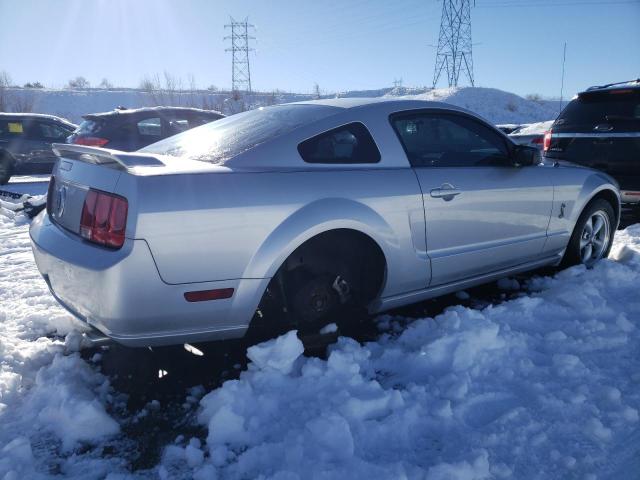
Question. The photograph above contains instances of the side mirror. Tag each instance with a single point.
(525, 156)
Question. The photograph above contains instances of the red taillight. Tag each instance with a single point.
(537, 140)
(547, 140)
(91, 141)
(104, 218)
(204, 295)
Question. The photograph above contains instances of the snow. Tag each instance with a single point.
(495, 105)
(538, 128)
(51, 401)
(329, 328)
(278, 354)
(544, 385)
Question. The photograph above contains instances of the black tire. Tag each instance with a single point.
(6, 168)
(575, 252)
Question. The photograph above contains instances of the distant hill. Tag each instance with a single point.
(495, 105)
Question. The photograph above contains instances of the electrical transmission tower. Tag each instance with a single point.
(241, 72)
(454, 44)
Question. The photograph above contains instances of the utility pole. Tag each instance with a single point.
(564, 57)
(454, 53)
(240, 71)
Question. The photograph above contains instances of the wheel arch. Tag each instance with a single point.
(597, 185)
(313, 220)
(610, 196)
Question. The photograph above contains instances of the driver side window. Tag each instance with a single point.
(449, 140)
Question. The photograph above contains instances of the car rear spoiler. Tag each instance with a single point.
(103, 156)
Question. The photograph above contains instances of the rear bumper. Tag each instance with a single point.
(121, 294)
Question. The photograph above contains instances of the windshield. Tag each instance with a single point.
(223, 139)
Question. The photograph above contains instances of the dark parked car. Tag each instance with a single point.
(600, 128)
(25, 143)
(132, 129)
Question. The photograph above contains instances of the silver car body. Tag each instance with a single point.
(194, 226)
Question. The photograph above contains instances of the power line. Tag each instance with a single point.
(454, 52)
(240, 69)
(552, 3)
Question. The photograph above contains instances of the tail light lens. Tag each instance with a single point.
(104, 218)
(91, 141)
(547, 140)
(537, 140)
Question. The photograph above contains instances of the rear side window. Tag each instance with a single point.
(350, 143)
(595, 108)
(449, 140)
(150, 127)
(11, 128)
(218, 141)
(50, 132)
(89, 127)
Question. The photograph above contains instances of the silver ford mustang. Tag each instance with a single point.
(315, 207)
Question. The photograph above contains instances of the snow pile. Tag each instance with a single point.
(543, 386)
(538, 128)
(278, 354)
(496, 106)
(51, 401)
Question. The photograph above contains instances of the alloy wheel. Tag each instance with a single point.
(594, 238)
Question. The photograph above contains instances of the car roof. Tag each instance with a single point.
(381, 102)
(42, 116)
(139, 111)
(387, 105)
(628, 85)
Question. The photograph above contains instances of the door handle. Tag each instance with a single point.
(446, 191)
(603, 127)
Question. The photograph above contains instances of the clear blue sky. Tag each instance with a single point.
(339, 44)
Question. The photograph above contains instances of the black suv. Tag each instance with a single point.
(25, 143)
(132, 129)
(600, 128)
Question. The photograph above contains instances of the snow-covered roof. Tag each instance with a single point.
(133, 111)
(538, 128)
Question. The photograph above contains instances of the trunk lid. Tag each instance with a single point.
(80, 169)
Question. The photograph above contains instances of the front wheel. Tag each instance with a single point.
(593, 235)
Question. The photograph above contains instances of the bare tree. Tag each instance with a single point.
(79, 82)
(5, 82)
(33, 85)
(192, 100)
(106, 84)
(152, 87)
(23, 102)
(316, 91)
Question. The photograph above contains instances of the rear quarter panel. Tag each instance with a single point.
(220, 226)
